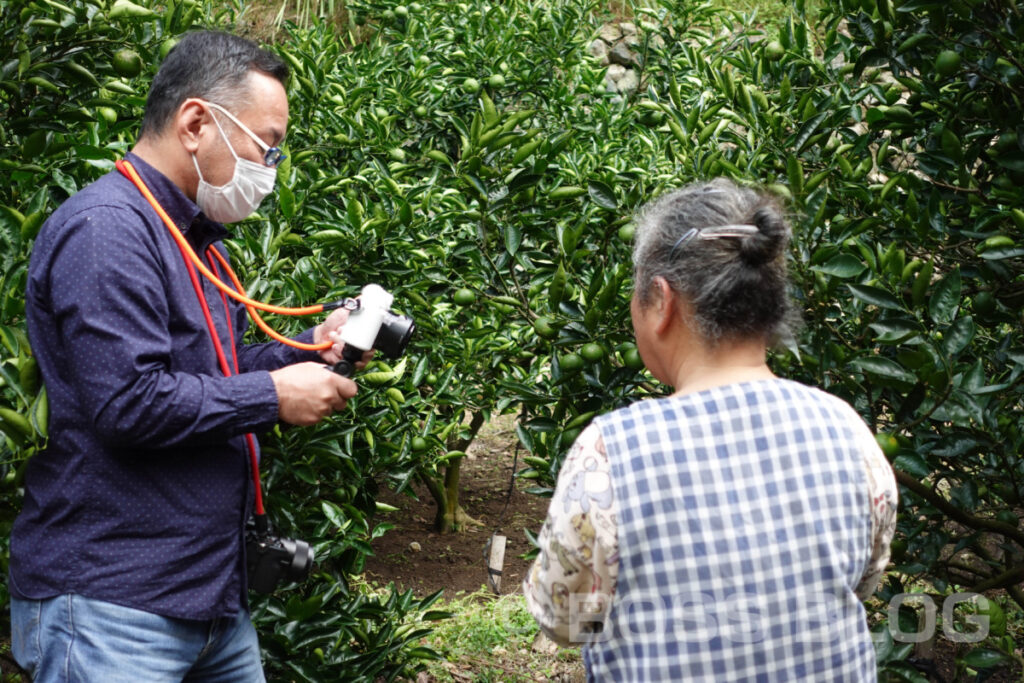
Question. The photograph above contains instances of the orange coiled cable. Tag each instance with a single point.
(254, 314)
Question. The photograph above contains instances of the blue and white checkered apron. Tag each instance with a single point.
(744, 528)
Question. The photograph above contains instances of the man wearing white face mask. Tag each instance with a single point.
(251, 182)
(127, 561)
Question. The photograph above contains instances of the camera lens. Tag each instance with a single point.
(394, 335)
(302, 559)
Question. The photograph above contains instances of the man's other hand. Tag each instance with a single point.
(309, 392)
(330, 330)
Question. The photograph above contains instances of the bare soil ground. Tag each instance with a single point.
(456, 562)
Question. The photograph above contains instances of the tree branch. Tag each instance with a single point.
(956, 513)
(1011, 577)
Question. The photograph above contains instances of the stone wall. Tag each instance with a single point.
(618, 47)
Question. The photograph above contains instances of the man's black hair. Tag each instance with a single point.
(211, 65)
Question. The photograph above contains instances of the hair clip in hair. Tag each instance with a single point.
(728, 231)
(687, 236)
(711, 233)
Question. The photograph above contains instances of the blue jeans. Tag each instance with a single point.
(73, 638)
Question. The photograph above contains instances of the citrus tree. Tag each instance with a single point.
(432, 158)
(471, 158)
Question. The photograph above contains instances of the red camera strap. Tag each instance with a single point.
(215, 338)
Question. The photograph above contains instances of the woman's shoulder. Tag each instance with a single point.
(766, 393)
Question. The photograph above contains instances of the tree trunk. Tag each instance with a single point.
(450, 517)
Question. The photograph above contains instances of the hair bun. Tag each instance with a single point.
(769, 242)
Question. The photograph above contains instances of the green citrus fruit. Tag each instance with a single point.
(415, 7)
(167, 46)
(471, 86)
(421, 111)
(496, 81)
(898, 549)
(127, 63)
(387, 15)
(465, 296)
(947, 63)
(401, 11)
(544, 329)
(109, 114)
(774, 51)
(626, 232)
(570, 362)
(430, 379)
(632, 360)
(984, 303)
(652, 118)
(419, 444)
(592, 352)
(888, 443)
(397, 154)
(423, 60)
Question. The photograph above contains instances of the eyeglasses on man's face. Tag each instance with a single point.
(272, 156)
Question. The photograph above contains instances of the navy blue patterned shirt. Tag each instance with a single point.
(142, 492)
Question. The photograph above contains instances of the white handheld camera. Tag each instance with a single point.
(373, 325)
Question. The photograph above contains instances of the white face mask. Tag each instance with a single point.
(240, 196)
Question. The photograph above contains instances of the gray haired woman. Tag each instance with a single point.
(729, 531)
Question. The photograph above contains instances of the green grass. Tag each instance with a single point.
(490, 639)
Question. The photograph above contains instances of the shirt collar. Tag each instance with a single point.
(183, 211)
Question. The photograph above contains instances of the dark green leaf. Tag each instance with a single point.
(913, 464)
(513, 238)
(842, 266)
(1001, 253)
(895, 331)
(876, 296)
(984, 658)
(521, 181)
(476, 184)
(602, 195)
(885, 370)
(945, 298)
(437, 615)
(807, 130)
(959, 335)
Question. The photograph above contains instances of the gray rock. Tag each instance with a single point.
(610, 33)
(543, 644)
(614, 73)
(627, 28)
(621, 54)
(628, 83)
(599, 51)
